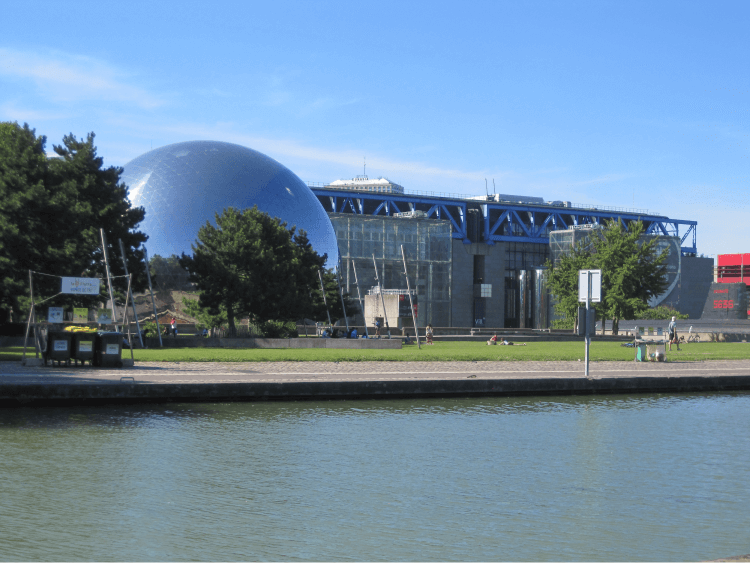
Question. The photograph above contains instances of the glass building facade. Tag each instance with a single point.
(428, 247)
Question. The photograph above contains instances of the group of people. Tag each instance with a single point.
(493, 341)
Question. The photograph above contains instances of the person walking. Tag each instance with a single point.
(174, 327)
(672, 330)
(428, 334)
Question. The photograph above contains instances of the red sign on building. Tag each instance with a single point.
(733, 268)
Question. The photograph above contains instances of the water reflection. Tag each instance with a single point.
(555, 478)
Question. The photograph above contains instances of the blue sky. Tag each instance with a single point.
(629, 104)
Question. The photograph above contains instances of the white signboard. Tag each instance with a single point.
(596, 285)
(81, 286)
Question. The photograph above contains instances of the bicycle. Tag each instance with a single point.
(693, 337)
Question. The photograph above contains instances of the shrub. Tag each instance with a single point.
(279, 329)
(661, 313)
(149, 329)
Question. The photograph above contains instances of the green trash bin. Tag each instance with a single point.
(58, 347)
(109, 349)
(84, 347)
(641, 354)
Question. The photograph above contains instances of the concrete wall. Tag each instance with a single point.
(462, 284)
(494, 273)
(463, 287)
(374, 308)
(697, 277)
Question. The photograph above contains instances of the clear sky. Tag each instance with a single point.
(628, 104)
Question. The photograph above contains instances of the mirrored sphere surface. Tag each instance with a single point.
(182, 186)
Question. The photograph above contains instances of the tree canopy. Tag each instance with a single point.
(51, 211)
(251, 265)
(632, 272)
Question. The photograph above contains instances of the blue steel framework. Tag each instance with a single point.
(500, 221)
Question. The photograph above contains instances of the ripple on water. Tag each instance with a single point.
(649, 476)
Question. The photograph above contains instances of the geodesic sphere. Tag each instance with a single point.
(182, 186)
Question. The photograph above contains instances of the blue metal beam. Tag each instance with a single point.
(531, 221)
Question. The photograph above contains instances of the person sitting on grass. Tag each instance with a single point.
(492, 341)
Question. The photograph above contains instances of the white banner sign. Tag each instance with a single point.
(596, 285)
(81, 286)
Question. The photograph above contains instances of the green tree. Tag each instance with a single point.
(51, 210)
(632, 273)
(202, 315)
(563, 284)
(632, 270)
(250, 265)
(87, 197)
(23, 197)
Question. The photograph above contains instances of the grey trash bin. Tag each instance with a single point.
(109, 349)
(84, 347)
(58, 347)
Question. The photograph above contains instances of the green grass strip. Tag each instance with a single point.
(439, 352)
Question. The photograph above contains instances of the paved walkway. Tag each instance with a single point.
(280, 372)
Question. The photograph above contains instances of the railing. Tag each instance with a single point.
(377, 291)
(464, 197)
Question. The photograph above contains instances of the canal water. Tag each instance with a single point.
(605, 478)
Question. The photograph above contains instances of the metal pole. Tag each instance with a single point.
(411, 302)
(153, 301)
(325, 302)
(28, 324)
(359, 294)
(588, 331)
(382, 299)
(109, 277)
(341, 294)
(130, 292)
(130, 340)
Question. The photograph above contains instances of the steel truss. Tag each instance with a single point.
(500, 221)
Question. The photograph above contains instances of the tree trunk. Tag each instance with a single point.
(230, 323)
(615, 326)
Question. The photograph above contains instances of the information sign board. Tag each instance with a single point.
(596, 285)
(81, 286)
(55, 315)
(104, 317)
(80, 315)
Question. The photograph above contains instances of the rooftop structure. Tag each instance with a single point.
(365, 184)
(491, 221)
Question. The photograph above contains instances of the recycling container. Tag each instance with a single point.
(109, 349)
(641, 352)
(58, 347)
(84, 346)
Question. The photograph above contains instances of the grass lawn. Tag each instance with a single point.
(441, 351)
